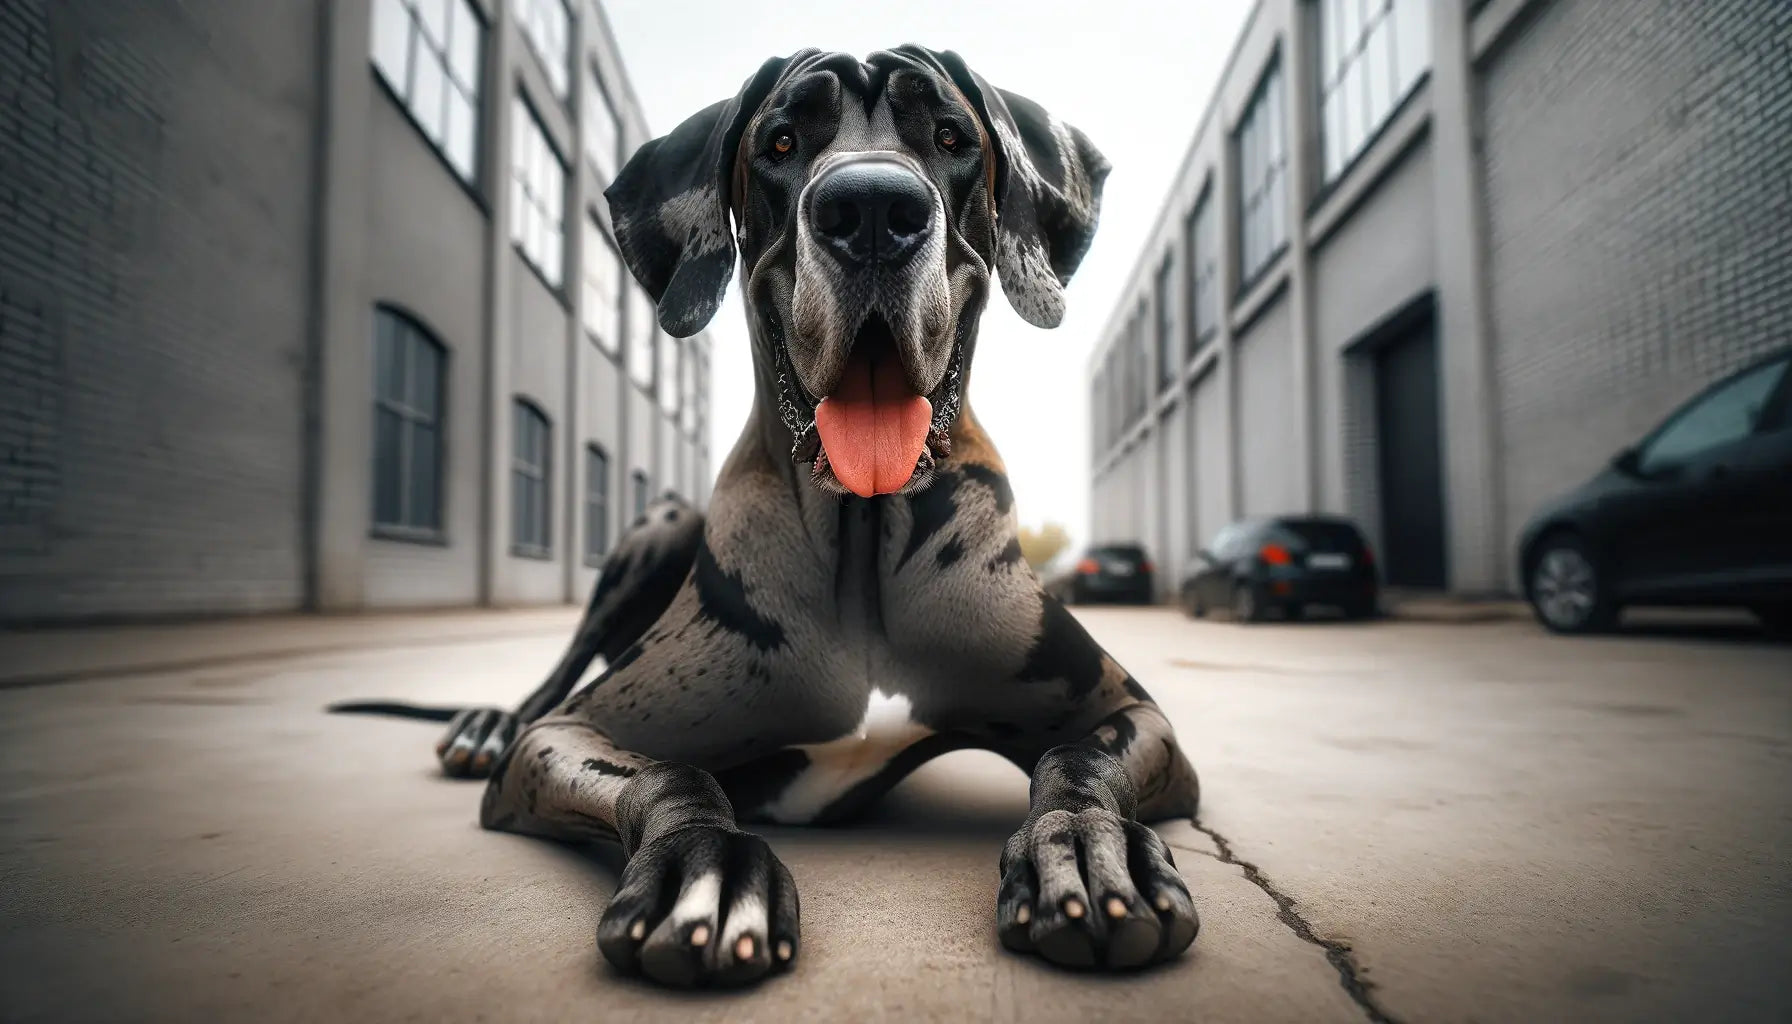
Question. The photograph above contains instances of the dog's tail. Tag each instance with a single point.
(394, 709)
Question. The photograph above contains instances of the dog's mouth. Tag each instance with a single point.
(873, 434)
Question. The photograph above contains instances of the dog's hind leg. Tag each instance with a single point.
(637, 583)
(699, 901)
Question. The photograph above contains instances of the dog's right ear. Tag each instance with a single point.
(670, 207)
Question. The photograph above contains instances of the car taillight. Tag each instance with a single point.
(1088, 567)
(1146, 566)
(1368, 555)
(1276, 554)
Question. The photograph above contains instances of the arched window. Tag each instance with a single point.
(408, 373)
(531, 517)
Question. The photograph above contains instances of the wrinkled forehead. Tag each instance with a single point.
(848, 92)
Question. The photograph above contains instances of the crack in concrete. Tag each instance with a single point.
(1337, 953)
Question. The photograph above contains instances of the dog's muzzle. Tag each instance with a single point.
(870, 212)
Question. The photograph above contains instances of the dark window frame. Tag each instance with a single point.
(528, 476)
(414, 338)
(1170, 361)
(526, 191)
(641, 492)
(597, 504)
(1270, 191)
(473, 93)
(560, 85)
(1202, 273)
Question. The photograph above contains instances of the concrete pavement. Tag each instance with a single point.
(1440, 822)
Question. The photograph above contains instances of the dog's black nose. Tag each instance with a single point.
(871, 211)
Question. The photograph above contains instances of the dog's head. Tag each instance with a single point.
(873, 200)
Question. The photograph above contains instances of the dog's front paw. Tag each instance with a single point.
(704, 905)
(1093, 890)
(474, 740)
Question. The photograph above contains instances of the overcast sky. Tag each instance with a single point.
(1134, 75)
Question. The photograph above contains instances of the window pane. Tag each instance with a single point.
(424, 468)
(388, 471)
(640, 332)
(388, 370)
(426, 379)
(392, 42)
(600, 128)
(1378, 67)
(428, 98)
(432, 16)
(1412, 39)
(1727, 415)
(463, 47)
(603, 276)
(460, 143)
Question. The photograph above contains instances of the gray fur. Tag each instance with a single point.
(806, 650)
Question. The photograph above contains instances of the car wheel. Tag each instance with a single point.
(1245, 605)
(1566, 591)
(1363, 608)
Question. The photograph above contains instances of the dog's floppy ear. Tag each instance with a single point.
(1048, 194)
(670, 207)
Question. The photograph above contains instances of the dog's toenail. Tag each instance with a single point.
(1073, 908)
(743, 950)
(1163, 902)
(700, 935)
(1023, 915)
(638, 930)
(1116, 907)
(784, 949)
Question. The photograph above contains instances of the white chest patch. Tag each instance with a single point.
(838, 765)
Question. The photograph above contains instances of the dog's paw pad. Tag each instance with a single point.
(704, 905)
(1093, 889)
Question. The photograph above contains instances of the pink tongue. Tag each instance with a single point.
(873, 428)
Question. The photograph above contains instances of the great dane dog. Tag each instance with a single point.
(855, 602)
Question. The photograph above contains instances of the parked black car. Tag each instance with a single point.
(1109, 572)
(1699, 512)
(1284, 564)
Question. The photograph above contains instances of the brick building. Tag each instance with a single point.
(313, 304)
(1431, 262)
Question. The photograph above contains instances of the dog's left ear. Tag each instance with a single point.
(1048, 194)
(670, 203)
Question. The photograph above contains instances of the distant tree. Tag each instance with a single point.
(1040, 546)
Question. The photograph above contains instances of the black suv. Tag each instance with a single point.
(1284, 564)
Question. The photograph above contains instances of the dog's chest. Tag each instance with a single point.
(836, 766)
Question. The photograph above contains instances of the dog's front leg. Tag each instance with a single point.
(1084, 882)
(699, 901)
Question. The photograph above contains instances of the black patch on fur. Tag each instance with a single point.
(993, 480)
(1006, 730)
(950, 552)
(602, 767)
(1009, 555)
(722, 598)
(1135, 691)
(929, 511)
(1063, 650)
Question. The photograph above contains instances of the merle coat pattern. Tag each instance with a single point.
(794, 654)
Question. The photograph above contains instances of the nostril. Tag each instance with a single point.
(907, 217)
(837, 219)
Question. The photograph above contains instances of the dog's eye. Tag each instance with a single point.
(783, 143)
(947, 137)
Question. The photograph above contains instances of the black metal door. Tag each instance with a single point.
(1409, 432)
